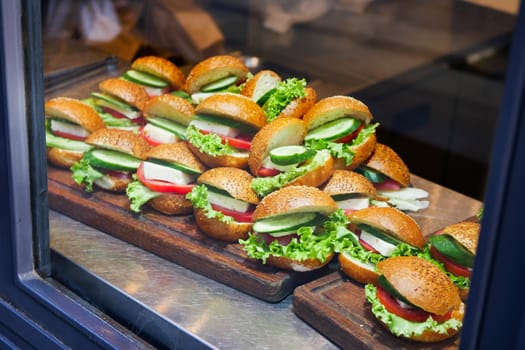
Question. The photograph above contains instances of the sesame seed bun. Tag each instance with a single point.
(131, 93)
(124, 141)
(390, 221)
(177, 152)
(335, 107)
(386, 161)
(233, 106)
(357, 270)
(317, 176)
(213, 69)
(170, 107)
(260, 84)
(361, 151)
(466, 233)
(309, 264)
(235, 160)
(345, 182)
(171, 204)
(161, 68)
(75, 111)
(280, 132)
(63, 158)
(229, 232)
(295, 199)
(298, 107)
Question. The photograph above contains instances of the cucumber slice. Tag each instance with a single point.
(178, 166)
(112, 160)
(383, 282)
(292, 154)
(345, 196)
(63, 143)
(334, 129)
(372, 175)
(285, 223)
(381, 235)
(262, 100)
(169, 125)
(449, 247)
(145, 79)
(225, 121)
(219, 84)
(112, 100)
(183, 94)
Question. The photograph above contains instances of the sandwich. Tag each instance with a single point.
(261, 86)
(222, 129)
(377, 233)
(342, 125)
(156, 75)
(68, 123)
(391, 177)
(164, 178)
(223, 203)
(415, 300)
(121, 99)
(290, 98)
(113, 159)
(288, 229)
(222, 73)
(278, 158)
(167, 117)
(351, 191)
(454, 247)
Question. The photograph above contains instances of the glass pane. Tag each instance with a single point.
(430, 73)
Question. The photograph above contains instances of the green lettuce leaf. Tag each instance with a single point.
(210, 143)
(285, 92)
(401, 327)
(264, 185)
(84, 173)
(310, 244)
(139, 194)
(199, 198)
(108, 119)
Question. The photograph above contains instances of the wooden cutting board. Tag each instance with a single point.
(175, 238)
(337, 307)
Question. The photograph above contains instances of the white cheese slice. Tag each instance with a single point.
(405, 193)
(153, 91)
(198, 97)
(385, 248)
(153, 171)
(354, 203)
(228, 202)
(159, 134)
(216, 128)
(72, 129)
(411, 205)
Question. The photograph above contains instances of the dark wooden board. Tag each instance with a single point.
(337, 307)
(175, 238)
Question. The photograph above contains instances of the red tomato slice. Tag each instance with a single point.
(414, 314)
(117, 173)
(147, 138)
(236, 215)
(348, 138)
(139, 120)
(68, 136)
(283, 240)
(162, 186)
(267, 172)
(387, 185)
(241, 141)
(368, 246)
(450, 265)
(349, 211)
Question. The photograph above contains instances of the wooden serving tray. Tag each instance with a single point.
(337, 307)
(175, 238)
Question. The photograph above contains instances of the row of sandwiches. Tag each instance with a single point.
(258, 160)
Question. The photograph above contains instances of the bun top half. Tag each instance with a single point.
(213, 69)
(386, 161)
(391, 221)
(233, 106)
(346, 182)
(74, 111)
(237, 182)
(295, 199)
(466, 233)
(131, 93)
(120, 140)
(421, 282)
(170, 107)
(260, 84)
(161, 68)
(177, 152)
(336, 107)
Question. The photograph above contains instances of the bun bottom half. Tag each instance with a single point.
(63, 158)
(463, 293)
(171, 204)
(299, 266)
(361, 153)
(356, 271)
(230, 232)
(316, 177)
